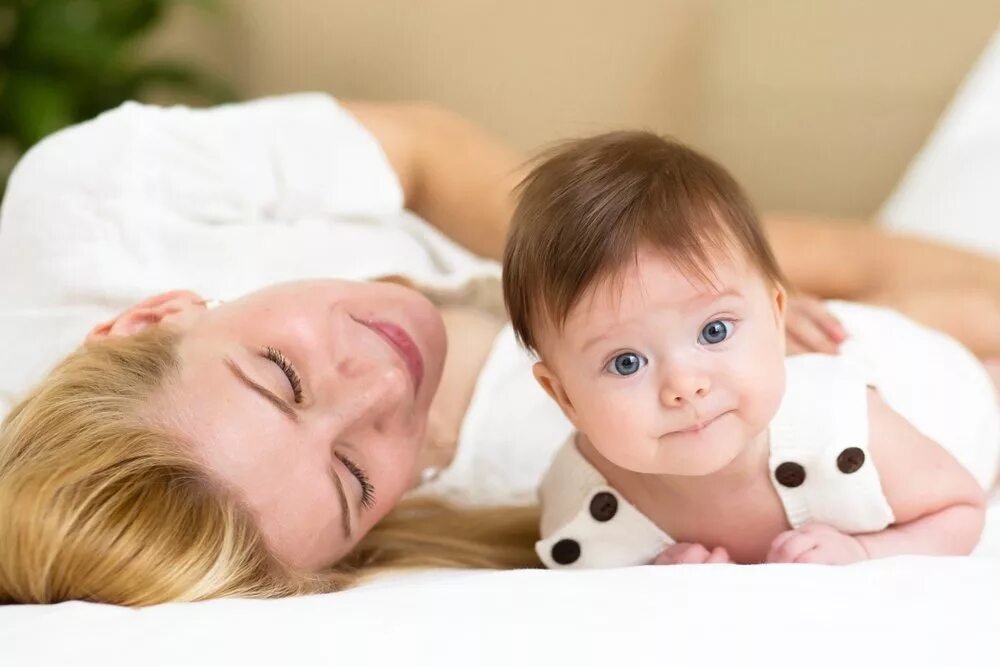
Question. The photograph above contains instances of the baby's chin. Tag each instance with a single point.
(686, 455)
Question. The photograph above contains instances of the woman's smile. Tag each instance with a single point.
(403, 344)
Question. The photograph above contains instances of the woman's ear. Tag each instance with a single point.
(554, 388)
(169, 307)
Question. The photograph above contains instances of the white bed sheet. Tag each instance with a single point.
(900, 611)
(905, 611)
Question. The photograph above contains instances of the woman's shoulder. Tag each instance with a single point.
(299, 153)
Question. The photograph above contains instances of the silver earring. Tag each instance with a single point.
(429, 474)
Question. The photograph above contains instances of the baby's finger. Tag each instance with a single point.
(672, 554)
(792, 548)
(795, 547)
(718, 555)
(693, 555)
(814, 556)
(777, 543)
(666, 557)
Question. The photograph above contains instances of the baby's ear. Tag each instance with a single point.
(780, 300)
(554, 388)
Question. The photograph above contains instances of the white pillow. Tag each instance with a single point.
(951, 191)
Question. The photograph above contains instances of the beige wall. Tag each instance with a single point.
(816, 105)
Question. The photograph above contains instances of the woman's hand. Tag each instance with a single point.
(686, 553)
(810, 327)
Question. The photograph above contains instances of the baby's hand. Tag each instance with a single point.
(810, 327)
(686, 553)
(816, 543)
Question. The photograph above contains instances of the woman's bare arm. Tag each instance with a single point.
(454, 175)
(946, 288)
(460, 179)
(850, 260)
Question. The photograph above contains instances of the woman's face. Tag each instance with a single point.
(311, 400)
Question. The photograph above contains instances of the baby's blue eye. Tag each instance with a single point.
(715, 332)
(626, 363)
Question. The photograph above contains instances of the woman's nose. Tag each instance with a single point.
(369, 391)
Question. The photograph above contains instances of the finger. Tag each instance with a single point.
(693, 555)
(718, 555)
(809, 335)
(825, 320)
(672, 554)
(666, 557)
(777, 543)
(793, 548)
(814, 556)
(793, 346)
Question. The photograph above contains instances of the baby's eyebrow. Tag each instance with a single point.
(696, 300)
(593, 341)
(713, 296)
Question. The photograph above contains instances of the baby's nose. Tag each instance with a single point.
(684, 387)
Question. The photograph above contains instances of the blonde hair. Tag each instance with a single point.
(589, 204)
(98, 502)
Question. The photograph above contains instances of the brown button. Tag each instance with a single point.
(566, 552)
(603, 506)
(850, 460)
(790, 474)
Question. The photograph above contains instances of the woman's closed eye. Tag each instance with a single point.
(367, 489)
(276, 356)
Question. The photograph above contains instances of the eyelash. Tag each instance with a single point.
(367, 490)
(281, 361)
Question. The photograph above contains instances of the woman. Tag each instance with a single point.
(192, 450)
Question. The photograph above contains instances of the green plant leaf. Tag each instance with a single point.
(36, 105)
(63, 61)
(178, 76)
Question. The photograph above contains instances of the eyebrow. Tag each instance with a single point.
(290, 412)
(269, 395)
(707, 296)
(345, 514)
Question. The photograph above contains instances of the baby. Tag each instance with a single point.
(638, 272)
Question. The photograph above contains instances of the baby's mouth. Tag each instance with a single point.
(701, 425)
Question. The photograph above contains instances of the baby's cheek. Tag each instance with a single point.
(760, 403)
(619, 430)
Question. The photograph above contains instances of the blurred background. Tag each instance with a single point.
(815, 105)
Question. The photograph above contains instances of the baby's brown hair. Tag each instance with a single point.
(588, 206)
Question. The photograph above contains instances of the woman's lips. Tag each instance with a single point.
(404, 345)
